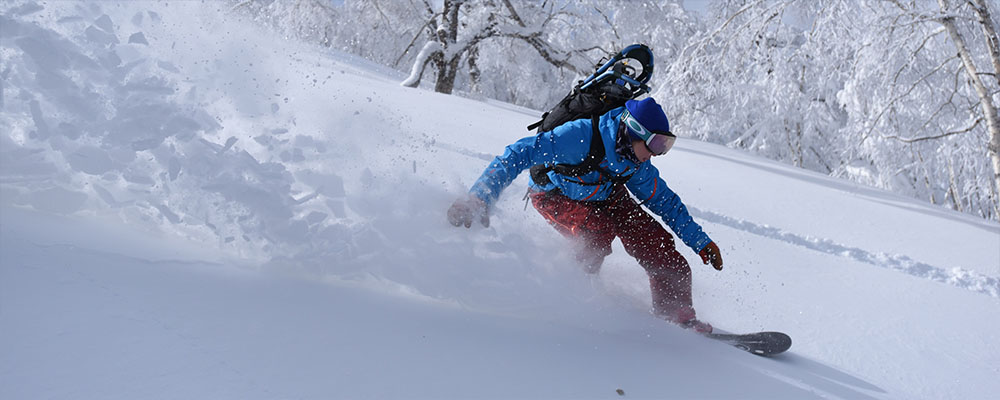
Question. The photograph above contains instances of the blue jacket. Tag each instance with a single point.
(569, 143)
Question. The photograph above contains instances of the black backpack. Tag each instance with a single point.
(610, 86)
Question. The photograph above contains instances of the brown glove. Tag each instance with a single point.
(467, 208)
(711, 255)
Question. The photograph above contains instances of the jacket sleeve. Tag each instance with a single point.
(568, 143)
(652, 191)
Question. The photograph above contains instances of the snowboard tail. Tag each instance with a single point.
(760, 343)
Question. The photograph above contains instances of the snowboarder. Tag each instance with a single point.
(588, 201)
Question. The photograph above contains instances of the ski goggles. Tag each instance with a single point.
(658, 142)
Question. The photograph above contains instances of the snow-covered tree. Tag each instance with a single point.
(309, 20)
(897, 94)
(873, 91)
(985, 89)
(920, 111)
(457, 33)
(765, 78)
(521, 51)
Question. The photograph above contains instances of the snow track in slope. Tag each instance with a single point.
(956, 276)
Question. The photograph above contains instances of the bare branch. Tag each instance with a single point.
(381, 13)
(607, 20)
(544, 50)
(892, 102)
(487, 32)
(943, 135)
(920, 48)
(412, 42)
(513, 13)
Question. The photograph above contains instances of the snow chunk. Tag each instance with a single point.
(91, 160)
(138, 38)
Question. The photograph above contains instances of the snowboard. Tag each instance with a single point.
(760, 343)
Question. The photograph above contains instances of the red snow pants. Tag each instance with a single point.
(593, 225)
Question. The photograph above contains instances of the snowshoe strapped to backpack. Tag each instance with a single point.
(610, 86)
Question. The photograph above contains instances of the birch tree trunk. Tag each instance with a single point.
(985, 100)
(993, 44)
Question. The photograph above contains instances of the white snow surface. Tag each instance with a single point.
(194, 208)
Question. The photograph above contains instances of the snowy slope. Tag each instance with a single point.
(192, 208)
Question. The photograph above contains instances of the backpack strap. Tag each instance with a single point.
(593, 159)
(539, 123)
(590, 163)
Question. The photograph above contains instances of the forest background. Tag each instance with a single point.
(895, 94)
